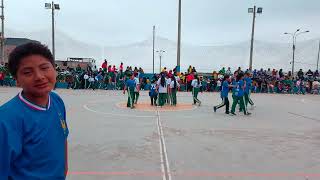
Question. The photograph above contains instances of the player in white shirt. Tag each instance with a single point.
(137, 88)
(162, 89)
(174, 85)
(196, 84)
(168, 81)
(219, 85)
(86, 78)
(91, 82)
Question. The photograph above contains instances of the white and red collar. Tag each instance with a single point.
(34, 106)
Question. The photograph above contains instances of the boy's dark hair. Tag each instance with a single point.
(240, 75)
(26, 50)
(225, 77)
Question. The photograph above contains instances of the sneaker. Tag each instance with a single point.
(233, 114)
(227, 113)
(247, 114)
(214, 109)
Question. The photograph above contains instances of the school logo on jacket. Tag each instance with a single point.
(63, 125)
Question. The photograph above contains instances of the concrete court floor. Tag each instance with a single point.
(280, 140)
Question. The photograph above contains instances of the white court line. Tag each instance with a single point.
(113, 114)
(151, 110)
(163, 151)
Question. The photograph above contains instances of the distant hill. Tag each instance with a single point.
(205, 58)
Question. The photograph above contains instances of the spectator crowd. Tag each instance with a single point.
(111, 77)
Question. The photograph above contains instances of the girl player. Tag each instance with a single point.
(195, 90)
(162, 89)
(168, 81)
(174, 85)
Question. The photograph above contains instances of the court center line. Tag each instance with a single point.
(163, 151)
(194, 174)
(112, 114)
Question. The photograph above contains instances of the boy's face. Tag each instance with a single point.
(36, 75)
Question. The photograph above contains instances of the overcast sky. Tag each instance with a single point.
(204, 22)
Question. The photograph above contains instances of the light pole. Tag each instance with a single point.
(294, 38)
(154, 33)
(53, 7)
(318, 57)
(2, 32)
(253, 10)
(179, 38)
(160, 52)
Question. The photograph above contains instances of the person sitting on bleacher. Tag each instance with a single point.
(315, 87)
(2, 74)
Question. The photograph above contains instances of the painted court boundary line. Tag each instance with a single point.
(193, 174)
(113, 114)
(306, 117)
(163, 151)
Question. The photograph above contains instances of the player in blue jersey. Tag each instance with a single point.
(130, 85)
(239, 93)
(224, 94)
(247, 91)
(33, 128)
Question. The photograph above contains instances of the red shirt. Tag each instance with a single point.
(190, 77)
(104, 65)
(1, 76)
(121, 67)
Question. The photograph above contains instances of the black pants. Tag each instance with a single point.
(153, 100)
(225, 102)
(189, 86)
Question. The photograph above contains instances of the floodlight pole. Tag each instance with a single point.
(179, 38)
(53, 38)
(53, 7)
(318, 57)
(294, 42)
(2, 32)
(252, 37)
(153, 40)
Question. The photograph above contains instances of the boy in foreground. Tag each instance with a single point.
(33, 129)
